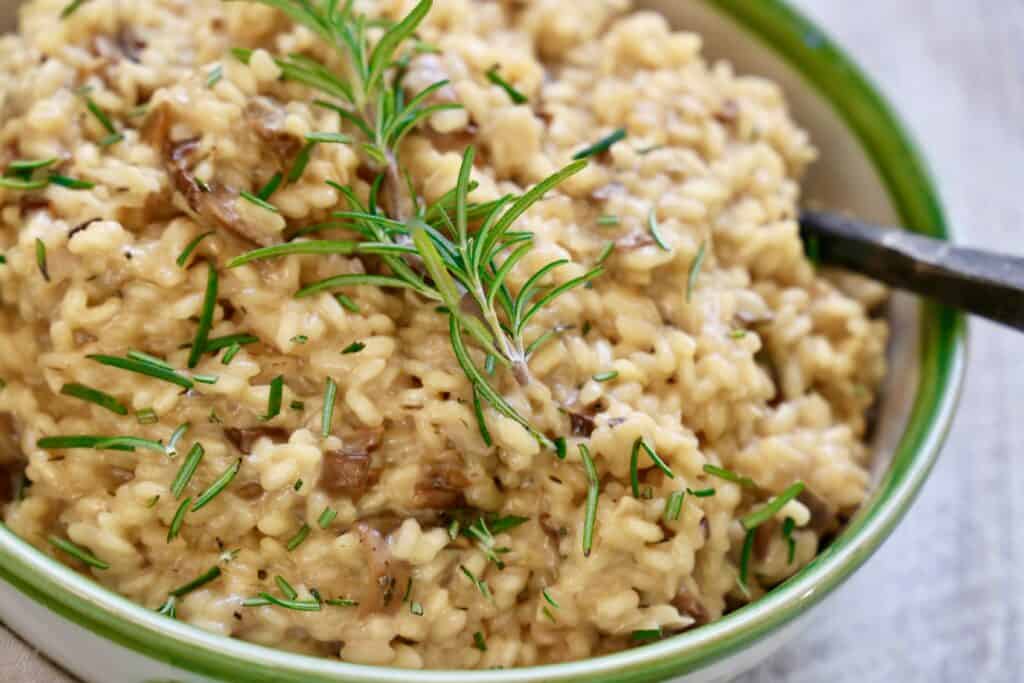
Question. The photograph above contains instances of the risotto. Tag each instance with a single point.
(438, 419)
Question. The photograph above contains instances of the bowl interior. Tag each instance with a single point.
(868, 167)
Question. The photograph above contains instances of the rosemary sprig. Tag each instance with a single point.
(460, 264)
(494, 77)
(189, 248)
(78, 553)
(141, 367)
(102, 399)
(634, 464)
(593, 491)
(216, 487)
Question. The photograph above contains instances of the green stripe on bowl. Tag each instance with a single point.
(942, 358)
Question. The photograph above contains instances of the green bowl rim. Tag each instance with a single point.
(942, 355)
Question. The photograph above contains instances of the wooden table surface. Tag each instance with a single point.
(941, 601)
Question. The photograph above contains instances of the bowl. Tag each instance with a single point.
(868, 166)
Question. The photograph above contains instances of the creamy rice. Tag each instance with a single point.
(767, 367)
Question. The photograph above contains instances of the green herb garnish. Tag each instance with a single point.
(25, 167)
(230, 354)
(104, 400)
(172, 443)
(608, 219)
(326, 517)
(179, 519)
(78, 553)
(191, 247)
(146, 416)
(299, 339)
(769, 510)
(674, 506)
(701, 493)
(71, 183)
(478, 411)
(216, 487)
(354, 347)
(550, 600)
(655, 229)
(216, 73)
(494, 77)
(787, 534)
(606, 376)
(347, 303)
(691, 278)
(187, 469)
(593, 491)
(271, 187)
(416, 608)
(602, 145)
(144, 368)
(206, 577)
(253, 199)
(205, 316)
(71, 8)
(634, 464)
(300, 536)
(729, 475)
(41, 259)
(479, 642)
(480, 584)
(274, 400)
(328, 412)
(646, 635)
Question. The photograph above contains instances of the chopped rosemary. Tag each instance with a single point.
(41, 259)
(169, 608)
(285, 587)
(23, 166)
(71, 8)
(206, 577)
(205, 379)
(298, 605)
(71, 183)
(691, 278)
(748, 547)
(146, 358)
(494, 77)
(788, 527)
(737, 334)
(328, 411)
(299, 339)
(301, 162)
(606, 376)
(76, 441)
(178, 520)
(100, 115)
(674, 505)
(646, 635)
(770, 509)
(22, 184)
(218, 343)
(205, 316)
(187, 469)
(634, 464)
(300, 536)
(479, 642)
(354, 347)
(593, 491)
(605, 253)
(729, 475)
(3, 259)
(416, 608)
(172, 443)
(253, 199)
(655, 229)
(297, 485)
(326, 517)
(103, 400)
(297, 405)
(561, 447)
(342, 602)
(111, 139)
(151, 503)
(274, 399)
(143, 368)
(701, 493)
(478, 411)
(117, 443)
(216, 487)
(550, 600)
(608, 219)
(480, 584)
(230, 354)
(270, 188)
(347, 303)
(146, 416)
(191, 247)
(216, 73)
(602, 145)
(78, 553)
(335, 138)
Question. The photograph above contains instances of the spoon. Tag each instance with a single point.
(980, 282)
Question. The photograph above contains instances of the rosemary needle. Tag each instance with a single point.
(78, 553)
(593, 491)
(104, 400)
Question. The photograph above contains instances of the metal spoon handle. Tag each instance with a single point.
(986, 284)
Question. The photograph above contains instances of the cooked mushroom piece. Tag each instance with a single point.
(441, 487)
(388, 576)
(345, 473)
(245, 439)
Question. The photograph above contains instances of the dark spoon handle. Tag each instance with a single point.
(979, 282)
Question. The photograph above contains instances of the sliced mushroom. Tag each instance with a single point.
(688, 604)
(267, 119)
(388, 576)
(824, 515)
(245, 439)
(581, 425)
(441, 487)
(345, 473)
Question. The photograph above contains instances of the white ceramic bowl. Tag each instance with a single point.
(867, 166)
